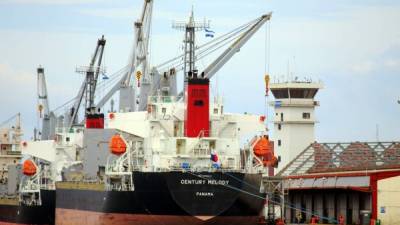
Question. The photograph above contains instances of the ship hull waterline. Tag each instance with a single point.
(23, 214)
(170, 198)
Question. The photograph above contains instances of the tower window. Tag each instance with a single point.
(306, 116)
(279, 126)
(279, 142)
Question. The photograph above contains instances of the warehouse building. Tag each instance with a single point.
(357, 181)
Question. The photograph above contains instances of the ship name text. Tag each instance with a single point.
(202, 182)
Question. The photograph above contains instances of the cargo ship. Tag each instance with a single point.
(31, 168)
(18, 202)
(164, 158)
(181, 160)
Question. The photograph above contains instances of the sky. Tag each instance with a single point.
(352, 47)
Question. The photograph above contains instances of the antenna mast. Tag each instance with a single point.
(190, 29)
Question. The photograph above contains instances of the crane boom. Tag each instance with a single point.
(138, 56)
(244, 33)
(138, 60)
(141, 42)
(216, 65)
(222, 59)
(112, 91)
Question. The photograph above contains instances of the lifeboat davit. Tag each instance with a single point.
(117, 145)
(264, 149)
(29, 168)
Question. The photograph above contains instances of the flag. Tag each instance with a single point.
(209, 33)
(215, 160)
(105, 77)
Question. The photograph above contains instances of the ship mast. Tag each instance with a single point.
(190, 29)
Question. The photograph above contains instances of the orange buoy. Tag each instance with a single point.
(117, 145)
(29, 168)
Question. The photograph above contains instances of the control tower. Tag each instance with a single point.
(294, 118)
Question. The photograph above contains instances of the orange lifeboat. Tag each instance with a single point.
(117, 145)
(264, 149)
(29, 168)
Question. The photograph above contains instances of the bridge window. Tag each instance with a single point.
(306, 115)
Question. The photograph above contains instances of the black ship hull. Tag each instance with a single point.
(171, 198)
(23, 214)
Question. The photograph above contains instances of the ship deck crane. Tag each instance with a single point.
(43, 101)
(218, 63)
(88, 87)
(237, 37)
(46, 117)
(140, 52)
(138, 60)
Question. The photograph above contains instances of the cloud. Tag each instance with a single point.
(112, 13)
(18, 89)
(132, 13)
(50, 2)
(377, 66)
(392, 64)
(12, 76)
(348, 41)
(366, 67)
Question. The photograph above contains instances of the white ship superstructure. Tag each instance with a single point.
(163, 146)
